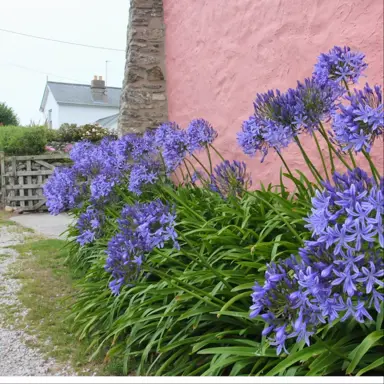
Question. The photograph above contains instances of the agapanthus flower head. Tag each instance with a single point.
(200, 133)
(145, 147)
(143, 173)
(142, 227)
(358, 124)
(339, 273)
(152, 223)
(314, 103)
(89, 225)
(125, 146)
(251, 138)
(101, 188)
(279, 303)
(124, 258)
(173, 143)
(339, 64)
(91, 160)
(231, 178)
(62, 190)
(272, 126)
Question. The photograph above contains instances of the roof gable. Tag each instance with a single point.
(80, 94)
(108, 121)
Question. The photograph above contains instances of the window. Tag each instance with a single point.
(50, 119)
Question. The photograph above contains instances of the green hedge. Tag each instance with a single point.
(16, 140)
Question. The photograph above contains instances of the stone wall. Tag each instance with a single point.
(143, 99)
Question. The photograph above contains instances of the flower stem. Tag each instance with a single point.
(331, 147)
(217, 152)
(197, 173)
(202, 165)
(352, 158)
(284, 162)
(322, 157)
(162, 160)
(347, 87)
(177, 178)
(311, 167)
(209, 158)
(189, 173)
(350, 152)
(182, 174)
(375, 172)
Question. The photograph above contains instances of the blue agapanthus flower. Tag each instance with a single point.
(313, 104)
(272, 125)
(143, 173)
(145, 147)
(279, 117)
(89, 225)
(101, 188)
(339, 64)
(142, 227)
(230, 178)
(358, 124)
(200, 133)
(338, 274)
(251, 138)
(62, 190)
(173, 143)
(125, 146)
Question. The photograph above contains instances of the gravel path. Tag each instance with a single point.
(16, 358)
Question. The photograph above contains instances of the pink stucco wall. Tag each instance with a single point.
(219, 54)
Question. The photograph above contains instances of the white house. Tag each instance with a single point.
(80, 103)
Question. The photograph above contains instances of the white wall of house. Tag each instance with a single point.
(82, 114)
(51, 112)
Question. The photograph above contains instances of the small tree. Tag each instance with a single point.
(7, 115)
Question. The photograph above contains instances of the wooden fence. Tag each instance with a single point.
(22, 179)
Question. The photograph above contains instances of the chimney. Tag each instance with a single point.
(98, 89)
(98, 83)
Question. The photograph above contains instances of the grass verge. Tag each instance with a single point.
(47, 291)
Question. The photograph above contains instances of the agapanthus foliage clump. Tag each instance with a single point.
(360, 122)
(339, 65)
(230, 178)
(142, 227)
(183, 309)
(337, 274)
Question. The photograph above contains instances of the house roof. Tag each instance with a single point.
(108, 121)
(79, 94)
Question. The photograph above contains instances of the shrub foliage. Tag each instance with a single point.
(16, 140)
(7, 115)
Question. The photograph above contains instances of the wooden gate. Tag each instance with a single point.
(22, 179)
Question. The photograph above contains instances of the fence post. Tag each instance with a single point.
(2, 178)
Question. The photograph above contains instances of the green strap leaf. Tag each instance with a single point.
(358, 353)
(377, 363)
(304, 354)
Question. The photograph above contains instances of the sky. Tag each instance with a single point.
(25, 62)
